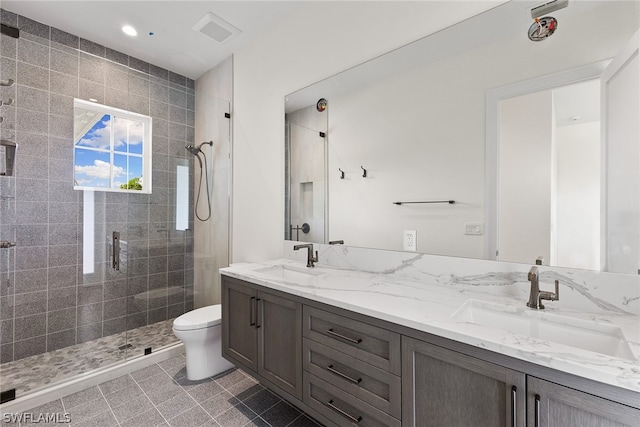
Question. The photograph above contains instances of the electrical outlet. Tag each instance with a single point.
(409, 242)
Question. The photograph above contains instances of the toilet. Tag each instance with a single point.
(201, 332)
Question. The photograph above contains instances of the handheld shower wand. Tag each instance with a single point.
(196, 151)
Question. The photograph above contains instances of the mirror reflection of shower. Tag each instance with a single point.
(196, 150)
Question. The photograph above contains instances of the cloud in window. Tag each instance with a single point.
(99, 135)
(99, 169)
(127, 131)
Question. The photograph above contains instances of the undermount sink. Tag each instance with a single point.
(290, 273)
(584, 334)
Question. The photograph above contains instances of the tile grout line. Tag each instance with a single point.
(147, 396)
(108, 404)
(211, 418)
(296, 419)
(225, 390)
(64, 410)
(190, 397)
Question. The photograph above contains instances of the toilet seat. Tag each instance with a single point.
(200, 318)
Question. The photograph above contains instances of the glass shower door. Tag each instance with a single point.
(307, 184)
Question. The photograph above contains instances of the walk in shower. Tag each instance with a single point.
(73, 297)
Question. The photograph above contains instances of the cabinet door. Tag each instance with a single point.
(551, 404)
(444, 388)
(239, 333)
(280, 342)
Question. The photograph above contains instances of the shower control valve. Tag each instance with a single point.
(6, 244)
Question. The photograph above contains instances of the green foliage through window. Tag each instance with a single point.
(133, 184)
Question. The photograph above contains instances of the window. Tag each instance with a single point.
(112, 149)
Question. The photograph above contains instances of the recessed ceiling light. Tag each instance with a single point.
(129, 30)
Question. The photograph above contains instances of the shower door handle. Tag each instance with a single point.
(116, 250)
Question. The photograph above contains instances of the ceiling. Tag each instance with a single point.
(174, 44)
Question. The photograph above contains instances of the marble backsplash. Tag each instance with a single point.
(580, 290)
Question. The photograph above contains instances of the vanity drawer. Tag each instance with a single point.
(372, 385)
(340, 407)
(375, 346)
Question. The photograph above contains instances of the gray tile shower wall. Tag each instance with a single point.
(50, 296)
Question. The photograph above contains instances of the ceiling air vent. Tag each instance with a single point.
(211, 25)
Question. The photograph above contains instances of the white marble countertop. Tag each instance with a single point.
(437, 307)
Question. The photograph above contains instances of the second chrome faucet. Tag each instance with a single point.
(536, 295)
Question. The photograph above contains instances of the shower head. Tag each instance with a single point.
(195, 150)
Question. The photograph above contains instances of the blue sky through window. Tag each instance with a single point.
(101, 164)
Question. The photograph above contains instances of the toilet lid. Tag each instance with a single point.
(200, 318)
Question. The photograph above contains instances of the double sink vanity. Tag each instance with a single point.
(410, 340)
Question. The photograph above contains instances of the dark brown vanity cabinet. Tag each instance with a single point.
(550, 404)
(445, 388)
(262, 332)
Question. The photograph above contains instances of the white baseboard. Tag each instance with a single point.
(84, 381)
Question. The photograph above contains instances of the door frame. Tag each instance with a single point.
(492, 136)
(628, 52)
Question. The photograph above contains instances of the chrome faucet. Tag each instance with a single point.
(536, 295)
(310, 258)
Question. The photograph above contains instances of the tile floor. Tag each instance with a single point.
(161, 395)
(43, 370)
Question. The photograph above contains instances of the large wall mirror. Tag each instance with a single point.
(509, 130)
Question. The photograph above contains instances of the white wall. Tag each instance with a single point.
(578, 195)
(524, 189)
(622, 180)
(318, 40)
(211, 237)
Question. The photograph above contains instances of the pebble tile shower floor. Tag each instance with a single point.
(161, 395)
(42, 370)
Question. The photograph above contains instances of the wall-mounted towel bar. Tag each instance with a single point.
(451, 202)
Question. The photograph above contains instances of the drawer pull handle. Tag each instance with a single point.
(331, 369)
(258, 313)
(343, 413)
(514, 408)
(252, 310)
(335, 334)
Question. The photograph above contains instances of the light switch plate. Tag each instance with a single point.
(474, 228)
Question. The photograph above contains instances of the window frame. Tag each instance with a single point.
(147, 145)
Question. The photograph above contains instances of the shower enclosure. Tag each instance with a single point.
(306, 146)
(66, 307)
